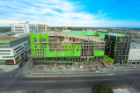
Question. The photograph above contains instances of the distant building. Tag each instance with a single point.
(32, 28)
(23, 28)
(2, 35)
(138, 33)
(88, 29)
(66, 28)
(134, 53)
(102, 30)
(13, 49)
(41, 28)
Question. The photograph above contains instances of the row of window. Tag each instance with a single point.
(4, 53)
(8, 56)
(5, 50)
(133, 60)
(17, 48)
(4, 43)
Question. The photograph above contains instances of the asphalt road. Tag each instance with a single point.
(15, 80)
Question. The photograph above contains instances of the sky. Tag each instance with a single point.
(85, 13)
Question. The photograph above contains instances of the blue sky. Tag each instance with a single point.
(87, 13)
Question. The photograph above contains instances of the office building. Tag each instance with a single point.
(13, 49)
(41, 28)
(134, 54)
(23, 28)
(54, 47)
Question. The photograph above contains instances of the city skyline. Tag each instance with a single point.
(114, 13)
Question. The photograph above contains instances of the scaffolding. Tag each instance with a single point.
(53, 47)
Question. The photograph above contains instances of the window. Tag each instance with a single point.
(17, 48)
(34, 39)
(8, 56)
(35, 45)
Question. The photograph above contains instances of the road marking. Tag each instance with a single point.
(29, 61)
(11, 82)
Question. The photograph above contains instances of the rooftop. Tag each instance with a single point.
(91, 38)
(115, 34)
(135, 46)
(10, 38)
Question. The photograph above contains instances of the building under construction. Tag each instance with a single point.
(53, 47)
(117, 48)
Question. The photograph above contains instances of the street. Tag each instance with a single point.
(15, 80)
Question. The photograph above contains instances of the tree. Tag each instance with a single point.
(102, 88)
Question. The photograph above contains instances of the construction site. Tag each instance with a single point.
(64, 48)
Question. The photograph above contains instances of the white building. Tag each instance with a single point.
(102, 30)
(14, 49)
(134, 53)
(23, 28)
(41, 28)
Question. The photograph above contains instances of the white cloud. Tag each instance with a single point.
(51, 12)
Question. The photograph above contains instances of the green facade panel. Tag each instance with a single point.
(101, 35)
(114, 34)
(40, 48)
(109, 59)
(86, 33)
(98, 53)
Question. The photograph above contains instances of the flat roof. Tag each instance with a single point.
(10, 38)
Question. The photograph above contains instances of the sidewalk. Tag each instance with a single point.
(6, 68)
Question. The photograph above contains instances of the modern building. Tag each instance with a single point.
(23, 28)
(134, 53)
(53, 47)
(41, 28)
(2, 35)
(66, 28)
(102, 30)
(117, 48)
(13, 49)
